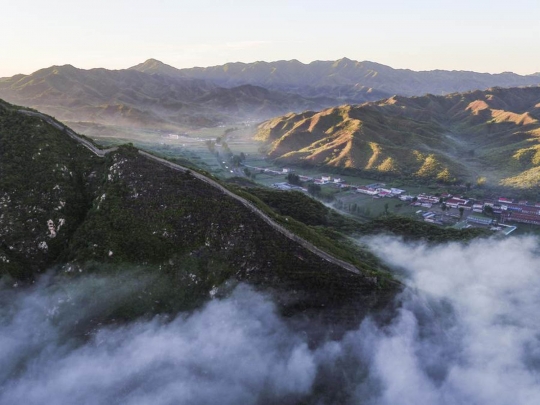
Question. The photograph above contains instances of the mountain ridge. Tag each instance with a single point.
(379, 77)
(137, 99)
(155, 95)
(64, 206)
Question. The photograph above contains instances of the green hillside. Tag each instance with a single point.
(65, 209)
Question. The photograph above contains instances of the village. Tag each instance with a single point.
(499, 214)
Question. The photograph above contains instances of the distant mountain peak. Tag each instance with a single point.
(64, 68)
(152, 60)
(154, 66)
(152, 63)
(343, 62)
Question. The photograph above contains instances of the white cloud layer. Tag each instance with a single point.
(467, 332)
(474, 339)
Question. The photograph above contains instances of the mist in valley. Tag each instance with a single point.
(466, 331)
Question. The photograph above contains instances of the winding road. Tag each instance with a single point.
(249, 205)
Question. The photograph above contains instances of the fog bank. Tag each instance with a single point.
(471, 333)
(466, 332)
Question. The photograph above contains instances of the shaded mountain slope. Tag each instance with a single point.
(432, 137)
(44, 176)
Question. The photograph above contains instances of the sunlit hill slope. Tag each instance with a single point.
(446, 138)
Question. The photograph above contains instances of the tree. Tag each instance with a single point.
(314, 189)
(211, 145)
(488, 209)
(247, 172)
(293, 179)
(461, 210)
(386, 208)
(235, 160)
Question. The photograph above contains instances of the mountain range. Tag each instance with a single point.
(493, 133)
(347, 80)
(158, 96)
(133, 99)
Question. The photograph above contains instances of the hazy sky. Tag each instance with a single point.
(480, 35)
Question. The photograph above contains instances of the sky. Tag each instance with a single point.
(480, 35)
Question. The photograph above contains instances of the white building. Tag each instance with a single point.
(366, 190)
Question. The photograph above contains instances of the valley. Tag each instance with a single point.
(216, 151)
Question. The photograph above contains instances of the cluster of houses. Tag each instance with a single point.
(521, 211)
(327, 180)
(379, 190)
(505, 208)
(508, 210)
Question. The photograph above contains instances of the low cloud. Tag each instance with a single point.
(466, 332)
(469, 327)
(232, 351)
